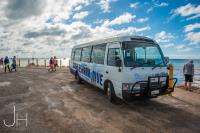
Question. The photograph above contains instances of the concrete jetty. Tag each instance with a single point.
(54, 102)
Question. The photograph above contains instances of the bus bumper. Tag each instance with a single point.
(150, 88)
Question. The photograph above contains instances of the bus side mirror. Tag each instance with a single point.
(118, 62)
(166, 60)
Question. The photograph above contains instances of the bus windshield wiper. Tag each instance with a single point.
(157, 65)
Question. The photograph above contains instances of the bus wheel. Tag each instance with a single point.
(79, 79)
(111, 92)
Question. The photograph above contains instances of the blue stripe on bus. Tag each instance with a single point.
(93, 76)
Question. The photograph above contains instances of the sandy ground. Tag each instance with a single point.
(194, 88)
(55, 103)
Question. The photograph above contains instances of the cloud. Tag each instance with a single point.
(168, 45)
(63, 9)
(81, 15)
(192, 27)
(134, 5)
(105, 5)
(16, 11)
(163, 4)
(101, 32)
(21, 9)
(142, 20)
(81, 31)
(183, 48)
(78, 8)
(53, 31)
(190, 11)
(163, 36)
(193, 37)
(98, 21)
(124, 18)
(156, 5)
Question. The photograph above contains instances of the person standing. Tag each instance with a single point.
(7, 63)
(1, 62)
(51, 65)
(14, 64)
(55, 63)
(188, 71)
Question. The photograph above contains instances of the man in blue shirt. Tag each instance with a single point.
(7, 64)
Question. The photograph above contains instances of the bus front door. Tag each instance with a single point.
(112, 70)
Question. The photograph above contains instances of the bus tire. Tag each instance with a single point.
(78, 78)
(111, 92)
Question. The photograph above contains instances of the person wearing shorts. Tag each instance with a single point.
(188, 71)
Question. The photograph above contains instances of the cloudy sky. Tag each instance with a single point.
(41, 28)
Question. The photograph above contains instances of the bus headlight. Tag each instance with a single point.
(127, 86)
(163, 80)
(136, 87)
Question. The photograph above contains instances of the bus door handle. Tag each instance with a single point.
(107, 72)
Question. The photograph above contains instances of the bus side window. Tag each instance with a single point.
(113, 55)
(86, 52)
(72, 55)
(77, 54)
(98, 54)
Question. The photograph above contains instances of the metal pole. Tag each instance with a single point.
(60, 63)
(45, 63)
(19, 63)
(37, 62)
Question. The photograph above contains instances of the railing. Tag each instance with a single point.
(39, 62)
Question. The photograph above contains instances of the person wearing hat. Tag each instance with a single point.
(188, 71)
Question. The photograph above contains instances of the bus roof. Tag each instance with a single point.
(117, 39)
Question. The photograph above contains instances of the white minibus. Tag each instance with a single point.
(123, 66)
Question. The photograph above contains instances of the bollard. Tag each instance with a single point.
(171, 75)
(37, 62)
(45, 63)
(19, 63)
(60, 63)
(28, 62)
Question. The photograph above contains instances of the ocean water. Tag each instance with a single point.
(178, 70)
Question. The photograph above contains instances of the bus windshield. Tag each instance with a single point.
(142, 55)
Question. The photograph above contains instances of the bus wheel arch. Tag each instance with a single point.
(77, 77)
(109, 90)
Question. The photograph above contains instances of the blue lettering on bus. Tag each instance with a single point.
(93, 76)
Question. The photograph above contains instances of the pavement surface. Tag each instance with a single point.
(55, 103)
